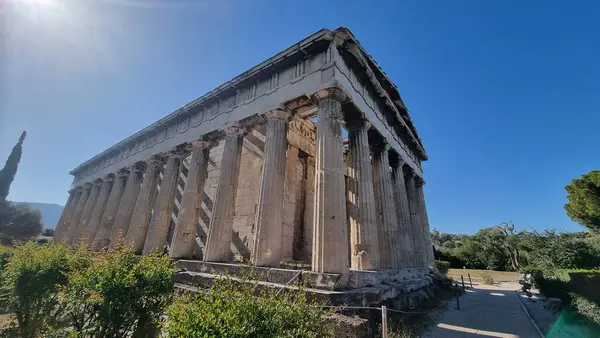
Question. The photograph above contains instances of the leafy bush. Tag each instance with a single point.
(585, 307)
(31, 281)
(487, 278)
(5, 253)
(243, 310)
(119, 294)
(442, 266)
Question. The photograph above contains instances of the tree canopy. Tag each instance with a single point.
(584, 200)
(502, 247)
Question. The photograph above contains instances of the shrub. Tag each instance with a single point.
(119, 295)
(31, 281)
(237, 310)
(487, 278)
(586, 307)
(442, 266)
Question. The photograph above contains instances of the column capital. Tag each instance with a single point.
(177, 152)
(156, 161)
(382, 147)
(137, 167)
(202, 144)
(410, 175)
(278, 114)
(331, 93)
(419, 181)
(88, 185)
(123, 173)
(357, 124)
(109, 178)
(234, 130)
(98, 182)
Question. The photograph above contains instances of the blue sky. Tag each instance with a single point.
(504, 93)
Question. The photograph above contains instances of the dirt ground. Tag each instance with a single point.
(477, 275)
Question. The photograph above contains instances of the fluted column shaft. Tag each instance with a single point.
(388, 246)
(85, 215)
(428, 248)
(184, 235)
(102, 236)
(125, 208)
(72, 231)
(63, 227)
(364, 242)
(158, 231)
(269, 216)
(218, 243)
(405, 233)
(96, 216)
(65, 215)
(415, 219)
(330, 236)
(140, 219)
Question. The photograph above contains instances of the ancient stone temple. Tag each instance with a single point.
(308, 158)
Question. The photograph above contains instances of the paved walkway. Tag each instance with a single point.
(485, 311)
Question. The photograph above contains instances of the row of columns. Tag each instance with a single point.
(388, 221)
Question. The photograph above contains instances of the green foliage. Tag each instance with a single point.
(502, 248)
(442, 266)
(31, 281)
(584, 200)
(48, 232)
(118, 294)
(19, 224)
(7, 174)
(487, 279)
(577, 289)
(586, 307)
(243, 310)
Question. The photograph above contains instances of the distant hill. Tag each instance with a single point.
(50, 213)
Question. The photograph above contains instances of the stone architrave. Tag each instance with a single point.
(73, 196)
(96, 216)
(220, 230)
(269, 216)
(330, 234)
(102, 236)
(158, 231)
(428, 247)
(364, 240)
(72, 231)
(142, 212)
(415, 219)
(87, 212)
(405, 233)
(184, 236)
(388, 245)
(125, 208)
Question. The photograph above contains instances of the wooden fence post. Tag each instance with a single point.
(384, 322)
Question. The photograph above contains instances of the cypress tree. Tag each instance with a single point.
(7, 174)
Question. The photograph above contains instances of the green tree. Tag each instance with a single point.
(584, 200)
(20, 224)
(7, 174)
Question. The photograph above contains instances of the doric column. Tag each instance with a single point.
(125, 208)
(415, 219)
(72, 231)
(140, 219)
(158, 230)
(291, 190)
(102, 236)
(419, 183)
(73, 195)
(85, 215)
(184, 235)
(330, 235)
(405, 234)
(388, 246)
(364, 241)
(218, 243)
(269, 216)
(96, 217)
